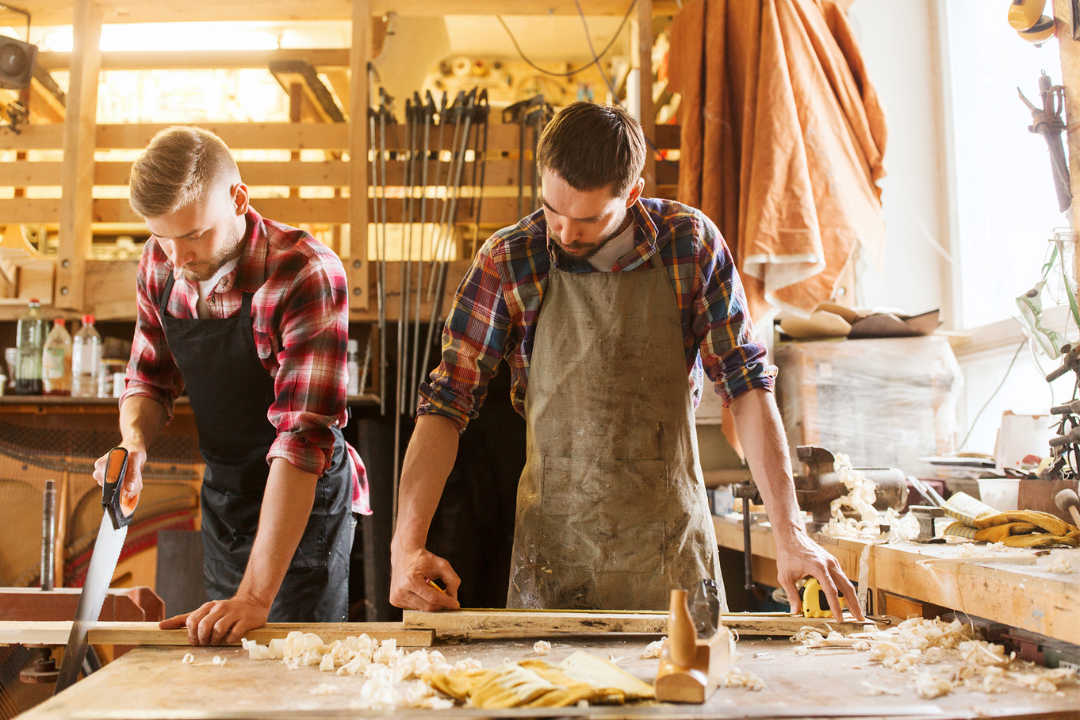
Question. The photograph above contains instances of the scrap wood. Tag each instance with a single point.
(148, 633)
(473, 623)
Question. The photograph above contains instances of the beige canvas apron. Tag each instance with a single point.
(611, 507)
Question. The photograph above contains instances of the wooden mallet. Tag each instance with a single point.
(1068, 500)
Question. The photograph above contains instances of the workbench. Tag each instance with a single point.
(1022, 596)
(153, 682)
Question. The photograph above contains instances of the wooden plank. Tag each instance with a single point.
(294, 173)
(77, 170)
(201, 59)
(358, 211)
(646, 112)
(148, 633)
(52, 12)
(547, 623)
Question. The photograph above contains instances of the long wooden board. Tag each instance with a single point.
(148, 633)
(545, 623)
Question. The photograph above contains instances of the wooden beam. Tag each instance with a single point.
(249, 136)
(77, 171)
(201, 59)
(647, 116)
(51, 12)
(360, 55)
(148, 633)
(546, 623)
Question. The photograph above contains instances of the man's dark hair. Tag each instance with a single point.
(593, 146)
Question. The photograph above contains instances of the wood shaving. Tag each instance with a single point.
(1056, 563)
(879, 690)
(917, 642)
(930, 687)
(542, 647)
(615, 659)
(652, 650)
(860, 499)
(188, 659)
(384, 666)
(738, 678)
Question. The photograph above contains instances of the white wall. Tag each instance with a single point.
(899, 45)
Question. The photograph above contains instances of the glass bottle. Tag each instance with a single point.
(56, 361)
(31, 344)
(85, 359)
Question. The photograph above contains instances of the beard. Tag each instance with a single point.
(201, 272)
(564, 257)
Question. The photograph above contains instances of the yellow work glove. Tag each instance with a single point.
(1026, 528)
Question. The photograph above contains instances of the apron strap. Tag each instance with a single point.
(245, 306)
(166, 293)
(657, 263)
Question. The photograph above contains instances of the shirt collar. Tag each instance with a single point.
(251, 270)
(645, 236)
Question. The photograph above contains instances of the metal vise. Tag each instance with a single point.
(821, 484)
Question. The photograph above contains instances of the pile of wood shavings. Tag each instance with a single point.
(860, 498)
(917, 642)
(384, 666)
(1056, 563)
(652, 650)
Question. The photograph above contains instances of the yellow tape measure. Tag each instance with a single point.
(814, 602)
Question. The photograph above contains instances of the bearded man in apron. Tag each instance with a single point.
(609, 309)
(251, 318)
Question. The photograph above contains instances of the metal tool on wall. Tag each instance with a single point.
(465, 110)
(532, 113)
(110, 541)
(429, 112)
(481, 114)
(1047, 122)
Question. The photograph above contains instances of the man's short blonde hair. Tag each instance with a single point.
(181, 165)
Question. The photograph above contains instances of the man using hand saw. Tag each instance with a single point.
(250, 317)
(609, 308)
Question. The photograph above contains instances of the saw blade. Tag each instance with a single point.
(110, 541)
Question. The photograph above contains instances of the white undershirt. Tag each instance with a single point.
(605, 259)
(206, 287)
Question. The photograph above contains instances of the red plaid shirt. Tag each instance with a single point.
(300, 318)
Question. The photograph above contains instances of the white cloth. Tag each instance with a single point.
(207, 287)
(604, 260)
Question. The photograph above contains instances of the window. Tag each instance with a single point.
(1006, 204)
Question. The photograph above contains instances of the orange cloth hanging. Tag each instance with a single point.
(782, 142)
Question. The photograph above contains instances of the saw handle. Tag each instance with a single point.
(116, 468)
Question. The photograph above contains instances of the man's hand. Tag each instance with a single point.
(797, 557)
(133, 484)
(220, 621)
(409, 576)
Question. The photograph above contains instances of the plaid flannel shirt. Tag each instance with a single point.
(300, 319)
(496, 306)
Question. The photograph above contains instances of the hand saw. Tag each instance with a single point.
(110, 540)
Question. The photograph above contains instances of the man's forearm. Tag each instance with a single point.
(761, 434)
(428, 463)
(286, 507)
(141, 421)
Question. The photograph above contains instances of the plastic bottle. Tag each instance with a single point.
(56, 361)
(354, 367)
(31, 344)
(85, 359)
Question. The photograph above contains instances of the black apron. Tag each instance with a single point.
(231, 393)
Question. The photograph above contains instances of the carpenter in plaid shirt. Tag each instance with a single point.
(250, 318)
(495, 310)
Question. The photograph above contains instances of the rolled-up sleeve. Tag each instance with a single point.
(310, 385)
(151, 370)
(721, 323)
(474, 340)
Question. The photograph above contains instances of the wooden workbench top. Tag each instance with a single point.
(154, 683)
(1024, 596)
